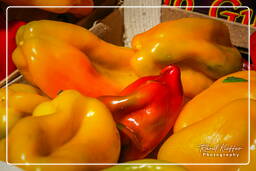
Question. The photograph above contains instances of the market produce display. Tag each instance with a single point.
(178, 95)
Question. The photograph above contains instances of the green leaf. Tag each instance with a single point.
(234, 79)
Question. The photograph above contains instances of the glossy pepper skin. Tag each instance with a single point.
(146, 111)
(22, 100)
(200, 47)
(218, 115)
(76, 11)
(145, 166)
(76, 129)
(13, 27)
(70, 57)
(46, 50)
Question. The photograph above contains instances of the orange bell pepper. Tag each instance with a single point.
(58, 56)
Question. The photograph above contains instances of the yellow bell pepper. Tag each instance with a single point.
(200, 47)
(69, 129)
(211, 122)
(215, 97)
(48, 49)
(22, 99)
(76, 11)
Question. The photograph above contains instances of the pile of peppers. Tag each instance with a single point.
(89, 101)
(42, 51)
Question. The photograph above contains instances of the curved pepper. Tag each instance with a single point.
(77, 129)
(146, 111)
(22, 100)
(146, 166)
(225, 90)
(70, 57)
(76, 11)
(200, 47)
(217, 118)
(45, 55)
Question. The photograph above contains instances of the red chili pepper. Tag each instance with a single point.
(13, 27)
(145, 111)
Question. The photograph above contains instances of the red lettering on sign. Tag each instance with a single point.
(213, 11)
(188, 3)
(245, 14)
(167, 2)
(231, 16)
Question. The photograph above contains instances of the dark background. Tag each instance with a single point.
(250, 3)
